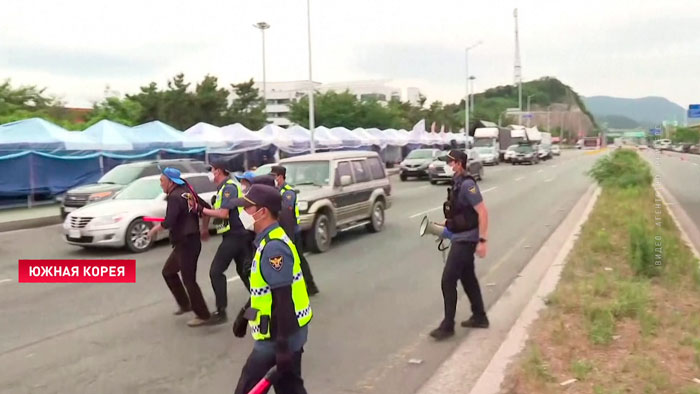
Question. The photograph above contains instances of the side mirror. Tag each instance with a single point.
(345, 180)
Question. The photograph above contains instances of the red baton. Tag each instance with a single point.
(265, 383)
(153, 219)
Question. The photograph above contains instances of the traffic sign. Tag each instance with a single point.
(527, 116)
(655, 131)
(694, 111)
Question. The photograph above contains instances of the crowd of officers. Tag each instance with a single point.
(258, 219)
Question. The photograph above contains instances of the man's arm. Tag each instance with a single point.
(483, 220)
(172, 212)
(287, 218)
(229, 193)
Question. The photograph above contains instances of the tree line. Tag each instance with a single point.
(182, 104)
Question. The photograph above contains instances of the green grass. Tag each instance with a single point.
(601, 323)
(581, 369)
(536, 367)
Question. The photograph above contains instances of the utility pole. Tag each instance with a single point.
(263, 26)
(471, 79)
(466, 98)
(312, 126)
(518, 72)
(529, 114)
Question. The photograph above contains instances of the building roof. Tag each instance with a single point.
(324, 156)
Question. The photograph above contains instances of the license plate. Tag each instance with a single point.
(75, 234)
(68, 209)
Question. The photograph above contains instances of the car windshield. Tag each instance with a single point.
(524, 149)
(483, 142)
(420, 154)
(121, 175)
(308, 173)
(263, 170)
(483, 149)
(142, 189)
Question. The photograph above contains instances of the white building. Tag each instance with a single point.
(280, 95)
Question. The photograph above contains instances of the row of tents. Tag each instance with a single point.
(107, 136)
(39, 160)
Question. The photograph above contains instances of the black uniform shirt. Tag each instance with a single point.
(178, 218)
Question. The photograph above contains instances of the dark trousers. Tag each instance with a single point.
(183, 260)
(305, 269)
(460, 266)
(239, 248)
(259, 363)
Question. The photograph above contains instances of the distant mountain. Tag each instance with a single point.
(647, 111)
(617, 121)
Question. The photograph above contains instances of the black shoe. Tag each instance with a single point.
(182, 311)
(312, 290)
(476, 322)
(442, 333)
(218, 317)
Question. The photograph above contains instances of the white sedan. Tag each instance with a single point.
(118, 222)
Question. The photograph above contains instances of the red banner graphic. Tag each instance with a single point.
(77, 271)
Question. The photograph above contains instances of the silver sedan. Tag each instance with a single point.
(118, 222)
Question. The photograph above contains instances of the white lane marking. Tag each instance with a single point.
(5, 280)
(520, 178)
(235, 278)
(695, 164)
(539, 171)
(549, 180)
(488, 190)
(553, 166)
(424, 212)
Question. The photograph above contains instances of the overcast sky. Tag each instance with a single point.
(619, 48)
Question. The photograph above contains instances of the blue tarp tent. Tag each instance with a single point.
(38, 134)
(156, 135)
(111, 136)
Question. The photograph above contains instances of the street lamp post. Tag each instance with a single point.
(529, 114)
(466, 99)
(312, 126)
(263, 26)
(471, 79)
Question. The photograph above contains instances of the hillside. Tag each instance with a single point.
(647, 111)
(566, 108)
(617, 122)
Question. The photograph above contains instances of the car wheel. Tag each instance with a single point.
(320, 233)
(376, 223)
(137, 236)
(432, 181)
(403, 177)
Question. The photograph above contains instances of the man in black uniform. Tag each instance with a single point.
(236, 241)
(467, 220)
(289, 220)
(183, 224)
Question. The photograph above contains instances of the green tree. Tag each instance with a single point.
(686, 135)
(211, 101)
(247, 107)
(126, 111)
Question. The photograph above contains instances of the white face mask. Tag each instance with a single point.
(210, 175)
(246, 220)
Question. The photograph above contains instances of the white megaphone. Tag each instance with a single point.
(428, 227)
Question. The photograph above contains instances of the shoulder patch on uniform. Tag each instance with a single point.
(276, 262)
(472, 190)
(227, 194)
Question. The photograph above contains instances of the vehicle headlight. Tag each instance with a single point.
(303, 205)
(66, 222)
(107, 220)
(432, 166)
(100, 196)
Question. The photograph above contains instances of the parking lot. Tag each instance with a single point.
(380, 295)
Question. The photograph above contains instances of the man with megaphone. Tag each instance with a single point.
(466, 224)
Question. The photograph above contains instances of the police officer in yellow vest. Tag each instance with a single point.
(279, 311)
(289, 220)
(236, 241)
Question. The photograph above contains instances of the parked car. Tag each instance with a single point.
(525, 154)
(120, 176)
(338, 191)
(510, 153)
(417, 162)
(438, 170)
(118, 222)
(543, 152)
(694, 149)
(555, 150)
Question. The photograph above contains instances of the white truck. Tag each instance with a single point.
(487, 145)
(546, 144)
(510, 136)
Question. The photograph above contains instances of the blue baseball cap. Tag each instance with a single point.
(174, 175)
(248, 176)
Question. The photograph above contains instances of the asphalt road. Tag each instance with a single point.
(679, 173)
(380, 296)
